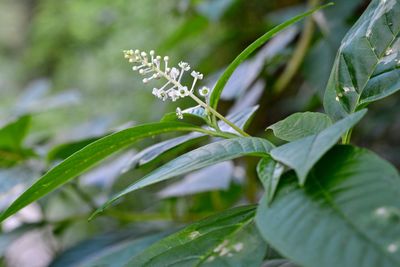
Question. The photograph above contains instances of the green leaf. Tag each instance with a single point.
(269, 172)
(367, 64)
(216, 92)
(279, 263)
(302, 154)
(199, 158)
(89, 156)
(193, 113)
(346, 215)
(63, 151)
(229, 238)
(12, 135)
(151, 153)
(299, 125)
(112, 249)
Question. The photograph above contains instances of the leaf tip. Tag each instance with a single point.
(96, 213)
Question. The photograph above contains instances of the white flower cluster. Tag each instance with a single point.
(152, 67)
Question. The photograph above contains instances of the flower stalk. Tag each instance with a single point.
(152, 67)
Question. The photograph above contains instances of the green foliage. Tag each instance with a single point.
(12, 136)
(226, 239)
(300, 125)
(323, 204)
(204, 156)
(302, 154)
(217, 90)
(347, 213)
(269, 172)
(87, 157)
(367, 65)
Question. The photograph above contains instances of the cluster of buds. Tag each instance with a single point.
(154, 67)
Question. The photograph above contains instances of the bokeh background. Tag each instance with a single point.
(61, 66)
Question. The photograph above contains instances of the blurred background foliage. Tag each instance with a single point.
(64, 83)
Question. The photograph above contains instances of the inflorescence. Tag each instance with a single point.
(154, 67)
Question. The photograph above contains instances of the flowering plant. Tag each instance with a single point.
(323, 203)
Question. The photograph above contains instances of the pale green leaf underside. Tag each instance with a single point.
(151, 153)
(346, 215)
(89, 156)
(367, 66)
(302, 154)
(225, 239)
(299, 125)
(201, 157)
(269, 172)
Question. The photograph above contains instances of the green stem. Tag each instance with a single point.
(347, 136)
(217, 134)
(299, 52)
(218, 115)
(201, 103)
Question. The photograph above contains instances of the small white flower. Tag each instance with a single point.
(179, 113)
(162, 95)
(204, 91)
(155, 92)
(183, 91)
(197, 75)
(184, 66)
(173, 95)
(174, 73)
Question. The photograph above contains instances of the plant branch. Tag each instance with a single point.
(299, 52)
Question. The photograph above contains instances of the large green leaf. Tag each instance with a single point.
(299, 125)
(302, 154)
(65, 150)
(269, 172)
(229, 238)
(346, 215)
(367, 66)
(199, 158)
(216, 92)
(87, 157)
